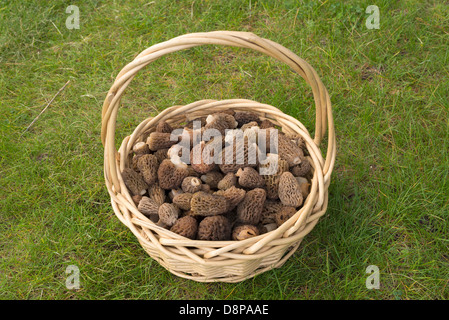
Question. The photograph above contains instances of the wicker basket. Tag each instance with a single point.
(224, 261)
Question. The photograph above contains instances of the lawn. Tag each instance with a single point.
(389, 193)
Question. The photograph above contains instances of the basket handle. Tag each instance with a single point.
(228, 38)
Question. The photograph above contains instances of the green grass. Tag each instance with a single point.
(389, 196)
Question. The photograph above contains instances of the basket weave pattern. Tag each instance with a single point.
(225, 261)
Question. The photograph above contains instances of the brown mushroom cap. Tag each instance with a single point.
(265, 124)
(250, 178)
(134, 182)
(242, 153)
(148, 165)
(304, 185)
(214, 228)
(191, 184)
(289, 190)
(302, 169)
(272, 180)
(212, 178)
(164, 127)
(141, 148)
(201, 159)
(149, 208)
(243, 117)
(160, 140)
(289, 151)
(229, 180)
(168, 214)
(220, 121)
(269, 211)
(249, 125)
(186, 226)
(182, 200)
(161, 154)
(156, 193)
(170, 176)
(284, 214)
(233, 195)
(249, 211)
(244, 231)
(207, 204)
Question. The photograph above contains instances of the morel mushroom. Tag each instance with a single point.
(289, 190)
(149, 208)
(302, 169)
(191, 184)
(201, 159)
(182, 200)
(269, 211)
(148, 165)
(249, 211)
(171, 175)
(186, 226)
(289, 151)
(284, 214)
(220, 121)
(161, 140)
(141, 148)
(250, 178)
(212, 178)
(214, 228)
(156, 193)
(207, 204)
(304, 185)
(134, 182)
(243, 117)
(265, 124)
(244, 231)
(161, 154)
(229, 180)
(164, 127)
(233, 195)
(277, 165)
(168, 214)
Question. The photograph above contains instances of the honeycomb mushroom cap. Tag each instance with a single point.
(265, 124)
(284, 214)
(156, 193)
(269, 211)
(148, 165)
(207, 204)
(249, 211)
(149, 208)
(141, 148)
(182, 200)
(221, 122)
(201, 159)
(214, 228)
(168, 214)
(160, 140)
(238, 155)
(302, 169)
(186, 226)
(250, 178)
(164, 127)
(171, 176)
(272, 180)
(289, 151)
(289, 190)
(161, 154)
(249, 125)
(243, 117)
(134, 182)
(229, 180)
(233, 196)
(191, 184)
(212, 178)
(244, 231)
